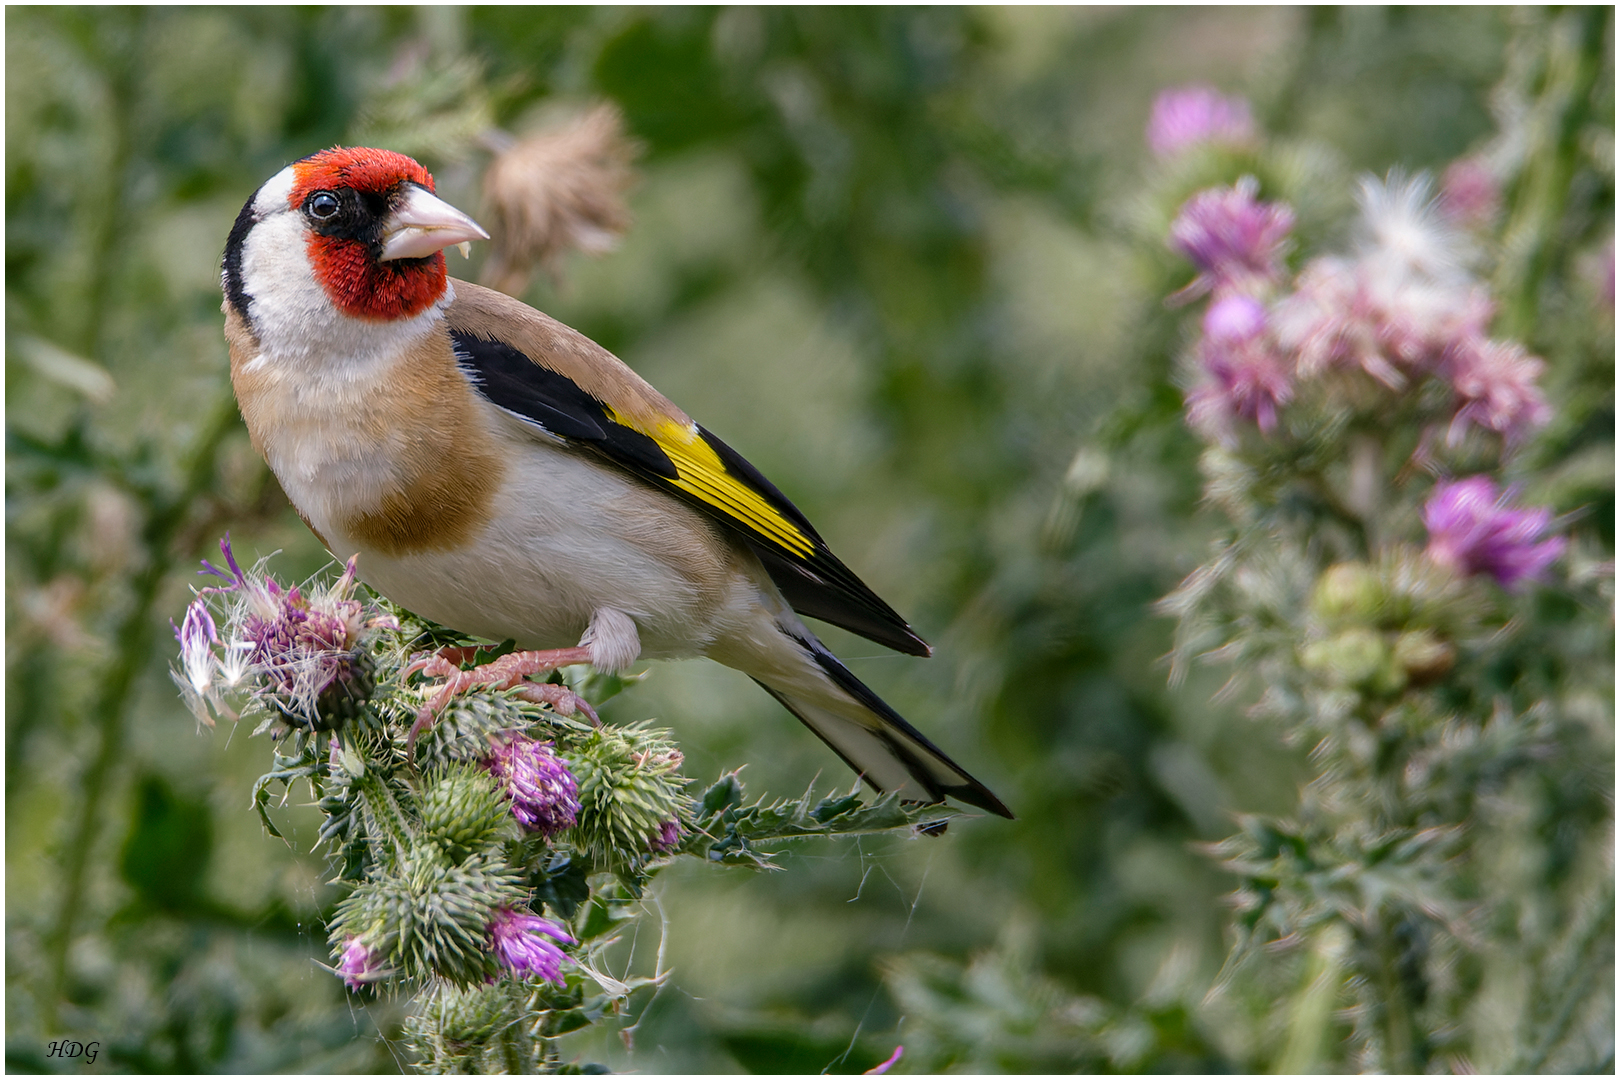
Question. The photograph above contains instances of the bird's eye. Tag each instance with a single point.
(322, 206)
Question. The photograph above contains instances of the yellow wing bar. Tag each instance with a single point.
(701, 473)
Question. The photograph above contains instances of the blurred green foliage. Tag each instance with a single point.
(895, 256)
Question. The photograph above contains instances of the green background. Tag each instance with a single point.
(895, 257)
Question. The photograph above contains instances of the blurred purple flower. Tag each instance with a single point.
(1189, 115)
(1246, 381)
(1469, 193)
(1234, 318)
(358, 965)
(1403, 234)
(519, 940)
(1496, 383)
(1234, 240)
(1473, 530)
(1400, 306)
(544, 794)
(1358, 314)
(665, 839)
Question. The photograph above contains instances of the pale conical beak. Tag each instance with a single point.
(424, 223)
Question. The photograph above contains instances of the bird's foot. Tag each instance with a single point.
(560, 698)
(503, 673)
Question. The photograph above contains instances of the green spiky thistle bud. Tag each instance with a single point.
(471, 722)
(345, 698)
(498, 1027)
(489, 1028)
(1355, 657)
(431, 917)
(1424, 655)
(630, 787)
(1349, 592)
(461, 810)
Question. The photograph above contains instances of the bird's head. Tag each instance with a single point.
(358, 227)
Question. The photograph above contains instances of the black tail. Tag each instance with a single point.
(876, 741)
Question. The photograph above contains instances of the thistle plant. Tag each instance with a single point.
(1395, 595)
(492, 861)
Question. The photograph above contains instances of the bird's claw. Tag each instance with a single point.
(560, 698)
(445, 661)
(504, 673)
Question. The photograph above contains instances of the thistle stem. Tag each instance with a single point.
(1573, 59)
(1404, 1041)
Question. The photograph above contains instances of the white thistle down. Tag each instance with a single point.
(1395, 308)
(198, 665)
(1403, 232)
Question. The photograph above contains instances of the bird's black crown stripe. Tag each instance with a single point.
(231, 269)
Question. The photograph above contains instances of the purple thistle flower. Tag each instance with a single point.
(519, 941)
(1189, 115)
(1495, 382)
(1234, 318)
(197, 636)
(1346, 314)
(294, 646)
(665, 839)
(301, 649)
(1246, 381)
(1469, 192)
(1234, 240)
(544, 794)
(237, 579)
(1473, 530)
(1245, 378)
(358, 965)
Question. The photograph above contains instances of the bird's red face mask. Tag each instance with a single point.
(376, 230)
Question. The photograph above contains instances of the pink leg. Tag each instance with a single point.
(564, 700)
(504, 673)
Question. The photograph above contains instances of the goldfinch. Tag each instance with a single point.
(502, 474)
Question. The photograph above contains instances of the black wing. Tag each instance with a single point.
(696, 467)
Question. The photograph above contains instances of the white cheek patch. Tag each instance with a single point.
(284, 300)
(275, 193)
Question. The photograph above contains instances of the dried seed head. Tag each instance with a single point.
(558, 190)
